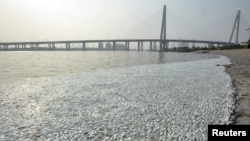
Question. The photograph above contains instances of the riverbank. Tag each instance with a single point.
(240, 73)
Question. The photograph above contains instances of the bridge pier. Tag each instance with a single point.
(100, 45)
(67, 46)
(114, 46)
(23, 46)
(127, 45)
(53, 45)
(139, 45)
(154, 47)
(83, 45)
(150, 46)
(5, 46)
(31, 46)
(142, 46)
(16, 46)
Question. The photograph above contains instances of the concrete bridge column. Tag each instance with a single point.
(127, 45)
(154, 47)
(139, 45)
(53, 45)
(83, 45)
(113, 45)
(166, 46)
(23, 45)
(5, 46)
(150, 46)
(67, 46)
(100, 45)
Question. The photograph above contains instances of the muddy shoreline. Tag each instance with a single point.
(240, 73)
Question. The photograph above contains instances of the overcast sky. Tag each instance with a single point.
(40, 20)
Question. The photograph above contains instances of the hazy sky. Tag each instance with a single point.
(40, 20)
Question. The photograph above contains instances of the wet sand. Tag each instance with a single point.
(240, 73)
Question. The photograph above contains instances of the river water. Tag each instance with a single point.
(16, 65)
(112, 95)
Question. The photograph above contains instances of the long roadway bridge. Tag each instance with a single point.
(112, 43)
(36, 45)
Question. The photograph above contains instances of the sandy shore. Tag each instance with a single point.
(240, 73)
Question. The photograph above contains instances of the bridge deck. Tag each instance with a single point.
(34, 45)
(118, 40)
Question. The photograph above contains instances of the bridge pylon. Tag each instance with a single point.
(236, 27)
(163, 44)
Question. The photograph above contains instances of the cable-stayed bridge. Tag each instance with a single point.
(112, 44)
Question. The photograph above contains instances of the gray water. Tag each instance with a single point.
(17, 65)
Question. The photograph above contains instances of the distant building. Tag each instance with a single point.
(244, 43)
(183, 44)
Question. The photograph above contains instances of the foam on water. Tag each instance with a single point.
(162, 101)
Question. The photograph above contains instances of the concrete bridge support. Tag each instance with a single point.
(67, 46)
(236, 27)
(100, 45)
(16, 46)
(83, 45)
(163, 30)
(127, 45)
(23, 45)
(53, 45)
(150, 46)
(154, 47)
(114, 48)
(139, 45)
(5, 46)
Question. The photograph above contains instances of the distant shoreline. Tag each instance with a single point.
(240, 73)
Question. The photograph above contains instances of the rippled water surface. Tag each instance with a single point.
(24, 64)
